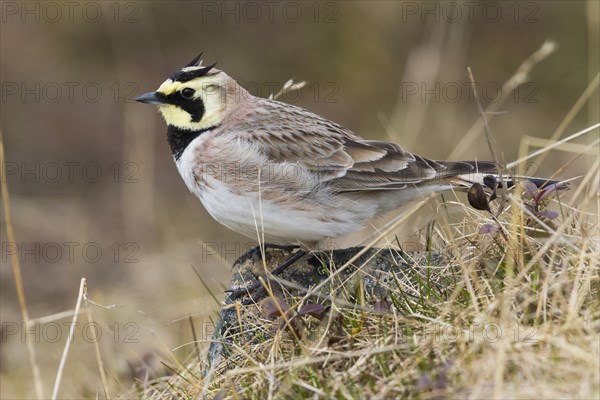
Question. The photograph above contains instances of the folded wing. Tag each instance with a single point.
(345, 161)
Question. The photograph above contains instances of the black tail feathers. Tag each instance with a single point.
(493, 182)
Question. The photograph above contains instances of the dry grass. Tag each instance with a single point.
(514, 314)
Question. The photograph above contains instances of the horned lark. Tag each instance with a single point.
(272, 170)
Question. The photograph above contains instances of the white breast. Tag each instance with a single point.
(275, 216)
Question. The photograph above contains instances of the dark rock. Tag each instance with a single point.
(376, 269)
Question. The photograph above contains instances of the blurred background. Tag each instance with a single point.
(94, 191)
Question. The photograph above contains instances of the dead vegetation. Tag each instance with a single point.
(514, 314)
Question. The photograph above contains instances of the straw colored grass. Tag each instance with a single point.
(513, 314)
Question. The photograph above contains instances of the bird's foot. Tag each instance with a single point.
(256, 291)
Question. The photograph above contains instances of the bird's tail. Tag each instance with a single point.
(486, 173)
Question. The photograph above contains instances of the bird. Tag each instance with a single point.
(282, 174)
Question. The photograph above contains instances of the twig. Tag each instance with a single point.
(312, 360)
(556, 144)
(587, 93)
(205, 285)
(520, 76)
(288, 87)
(96, 347)
(486, 126)
(557, 235)
(16, 268)
(63, 360)
(194, 337)
(488, 138)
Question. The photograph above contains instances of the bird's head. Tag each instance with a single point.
(193, 98)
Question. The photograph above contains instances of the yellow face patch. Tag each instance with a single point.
(168, 87)
(208, 90)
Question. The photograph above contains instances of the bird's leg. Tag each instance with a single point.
(288, 262)
(288, 248)
(256, 289)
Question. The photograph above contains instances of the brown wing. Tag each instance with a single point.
(399, 168)
(341, 158)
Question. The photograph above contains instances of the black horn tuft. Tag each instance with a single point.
(194, 62)
(184, 76)
(206, 70)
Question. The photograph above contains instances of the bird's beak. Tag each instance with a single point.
(152, 98)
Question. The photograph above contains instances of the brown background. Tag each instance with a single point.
(359, 59)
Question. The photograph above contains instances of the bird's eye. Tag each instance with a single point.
(188, 93)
